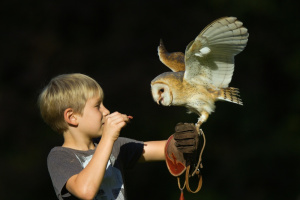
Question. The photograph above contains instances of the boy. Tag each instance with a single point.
(72, 104)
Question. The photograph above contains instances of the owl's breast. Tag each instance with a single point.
(194, 96)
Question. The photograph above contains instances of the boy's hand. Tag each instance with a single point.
(113, 124)
(186, 137)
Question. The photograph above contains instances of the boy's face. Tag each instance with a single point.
(92, 119)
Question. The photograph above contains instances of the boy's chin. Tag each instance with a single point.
(97, 135)
(100, 133)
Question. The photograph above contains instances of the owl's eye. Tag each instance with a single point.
(161, 90)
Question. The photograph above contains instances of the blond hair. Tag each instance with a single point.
(66, 91)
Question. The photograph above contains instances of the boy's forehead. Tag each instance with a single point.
(99, 99)
(96, 99)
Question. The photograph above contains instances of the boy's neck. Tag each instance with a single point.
(76, 141)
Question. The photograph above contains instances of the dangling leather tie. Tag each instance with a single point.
(181, 195)
(181, 188)
(188, 182)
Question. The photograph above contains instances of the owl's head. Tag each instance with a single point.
(162, 93)
(165, 86)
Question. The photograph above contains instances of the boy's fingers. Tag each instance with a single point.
(112, 114)
(116, 115)
(117, 118)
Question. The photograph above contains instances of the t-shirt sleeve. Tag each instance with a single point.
(130, 151)
(62, 165)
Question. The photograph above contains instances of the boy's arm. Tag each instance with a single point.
(153, 151)
(186, 141)
(86, 184)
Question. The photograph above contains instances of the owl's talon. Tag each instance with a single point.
(198, 124)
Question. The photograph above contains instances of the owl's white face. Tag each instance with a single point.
(162, 94)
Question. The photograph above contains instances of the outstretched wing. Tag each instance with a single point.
(209, 59)
(175, 61)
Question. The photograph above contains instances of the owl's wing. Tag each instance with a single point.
(209, 59)
(175, 61)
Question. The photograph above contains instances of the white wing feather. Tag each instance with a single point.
(209, 59)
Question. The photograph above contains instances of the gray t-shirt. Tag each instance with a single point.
(65, 162)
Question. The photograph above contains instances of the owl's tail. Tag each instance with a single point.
(230, 94)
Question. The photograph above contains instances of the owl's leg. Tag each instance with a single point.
(202, 119)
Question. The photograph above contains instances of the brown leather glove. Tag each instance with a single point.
(183, 155)
(186, 138)
(181, 148)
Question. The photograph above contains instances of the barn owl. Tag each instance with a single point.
(201, 76)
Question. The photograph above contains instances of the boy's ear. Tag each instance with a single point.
(70, 117)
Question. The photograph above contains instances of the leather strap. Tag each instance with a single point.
(187, 183)
(199, 164)
(196, 171)
(179, 185)
(177, 168)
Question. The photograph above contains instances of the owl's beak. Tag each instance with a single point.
(158, 100)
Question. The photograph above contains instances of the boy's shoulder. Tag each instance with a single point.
(60, 152)
(63, 153)
(61, 149)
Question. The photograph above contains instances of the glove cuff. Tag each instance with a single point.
(174, 159)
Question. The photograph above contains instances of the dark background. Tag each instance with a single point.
(252, 150)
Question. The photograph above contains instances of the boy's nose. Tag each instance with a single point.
(105, 111)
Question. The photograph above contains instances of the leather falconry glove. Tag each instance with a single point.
(181, 148)
(181, 152)
(186, 137)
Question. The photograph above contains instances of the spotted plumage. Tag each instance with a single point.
(202, 74)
